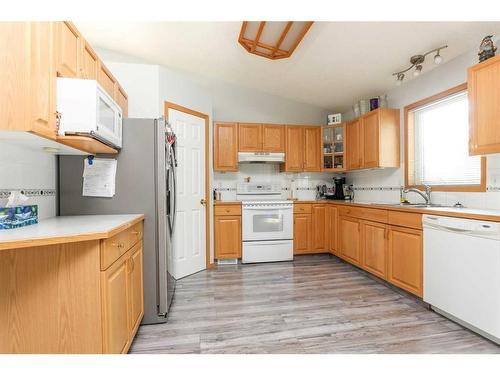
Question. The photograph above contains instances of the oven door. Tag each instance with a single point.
(109, 119)
(267, 223)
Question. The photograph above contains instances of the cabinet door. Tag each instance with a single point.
(106, 79)
(122, 100)
(319, 233)
(115, 306)
(405, 267)
(370, 129)
(312, 149)
(302, 233)
(349, 230)
(90, 62)
(135, 288)
(332, 220)
(273, 138)
(42, 80)
(225, 147)
(67, 50)
(374, 248)
(484, 111)
(227, 237)
(353, 138)
(250, 137)
(294, 153)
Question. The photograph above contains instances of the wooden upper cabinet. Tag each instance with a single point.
(90, 62)
(42, 93)
(250, 137)
(370, 137)
(319, 232)
(106, 79)
(225, 147)
(354, 144)
(374, 248)
(67, 50)
(294, 151)
(273, 138)
(121, 99)
(405, 263)
(312, 149)
(350, 239)
(483, 85)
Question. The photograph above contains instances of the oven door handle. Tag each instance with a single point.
(267, 208)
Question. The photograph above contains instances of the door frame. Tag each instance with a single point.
(166, 107)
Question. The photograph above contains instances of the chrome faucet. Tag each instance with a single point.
(424, 194)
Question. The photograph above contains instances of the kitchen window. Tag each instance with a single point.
(437, 144)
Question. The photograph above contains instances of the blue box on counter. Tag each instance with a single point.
(20, 216)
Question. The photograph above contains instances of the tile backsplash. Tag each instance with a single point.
(305, 183)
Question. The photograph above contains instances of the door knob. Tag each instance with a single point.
(203, 202)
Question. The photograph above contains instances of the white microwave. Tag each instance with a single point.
(85, 108)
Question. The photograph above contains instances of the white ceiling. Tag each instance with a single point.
(336, 63)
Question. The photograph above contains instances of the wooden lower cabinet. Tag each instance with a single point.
(331, 228)
(302, 228)
(319, 233)
(374, 248)
(350, 239)
(122, 300)
(227, 237)
(405, 265)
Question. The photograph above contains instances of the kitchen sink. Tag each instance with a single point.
(414, 205)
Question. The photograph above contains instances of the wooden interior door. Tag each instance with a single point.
(135, 287)
(250, 137)
(349, 230)
(225, 147)
(302, 233)
(374, 248)
(484, 111)
(115, 306)
(312, 149)
(68, 49)
(353, 138)
(90, 62)
(42, 80)
(273, 138)
(405, 263)
(227, 240)
(319, 232)
(371, 133)
(294, 154)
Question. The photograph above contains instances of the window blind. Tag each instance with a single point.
(441, 144)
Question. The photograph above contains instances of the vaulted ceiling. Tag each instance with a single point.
(336, 63)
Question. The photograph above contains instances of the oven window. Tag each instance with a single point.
(268, 223)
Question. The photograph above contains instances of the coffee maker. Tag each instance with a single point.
(339, 187)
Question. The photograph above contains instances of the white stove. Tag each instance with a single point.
(267, 223)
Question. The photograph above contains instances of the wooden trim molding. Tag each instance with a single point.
(409, 146)
(167, 106)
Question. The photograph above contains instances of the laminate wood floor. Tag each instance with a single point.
(315, 304)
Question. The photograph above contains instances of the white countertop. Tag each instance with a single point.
(69, 228)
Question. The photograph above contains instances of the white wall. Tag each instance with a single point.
(383, 185)
(26, 169)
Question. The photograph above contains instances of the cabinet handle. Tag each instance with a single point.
(132, 264)
(118, 245)
(136, 232)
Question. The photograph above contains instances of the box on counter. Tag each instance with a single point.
(20, 216)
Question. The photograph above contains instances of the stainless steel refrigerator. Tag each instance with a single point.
(145, 183)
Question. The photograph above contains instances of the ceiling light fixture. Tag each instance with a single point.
(273, 40)
(417, 61)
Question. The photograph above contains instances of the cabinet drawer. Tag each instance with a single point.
(114, 247)
(405, 219)
(227, 210)
(302, 208)
(371, 214)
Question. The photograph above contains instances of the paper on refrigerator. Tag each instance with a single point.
(99, 177)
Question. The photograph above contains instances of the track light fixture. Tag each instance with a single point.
(416, 62)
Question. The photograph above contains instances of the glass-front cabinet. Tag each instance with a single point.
(333, 148)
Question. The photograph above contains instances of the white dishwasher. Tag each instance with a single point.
(462, 272)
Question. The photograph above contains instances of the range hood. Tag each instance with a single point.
(261, 157)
